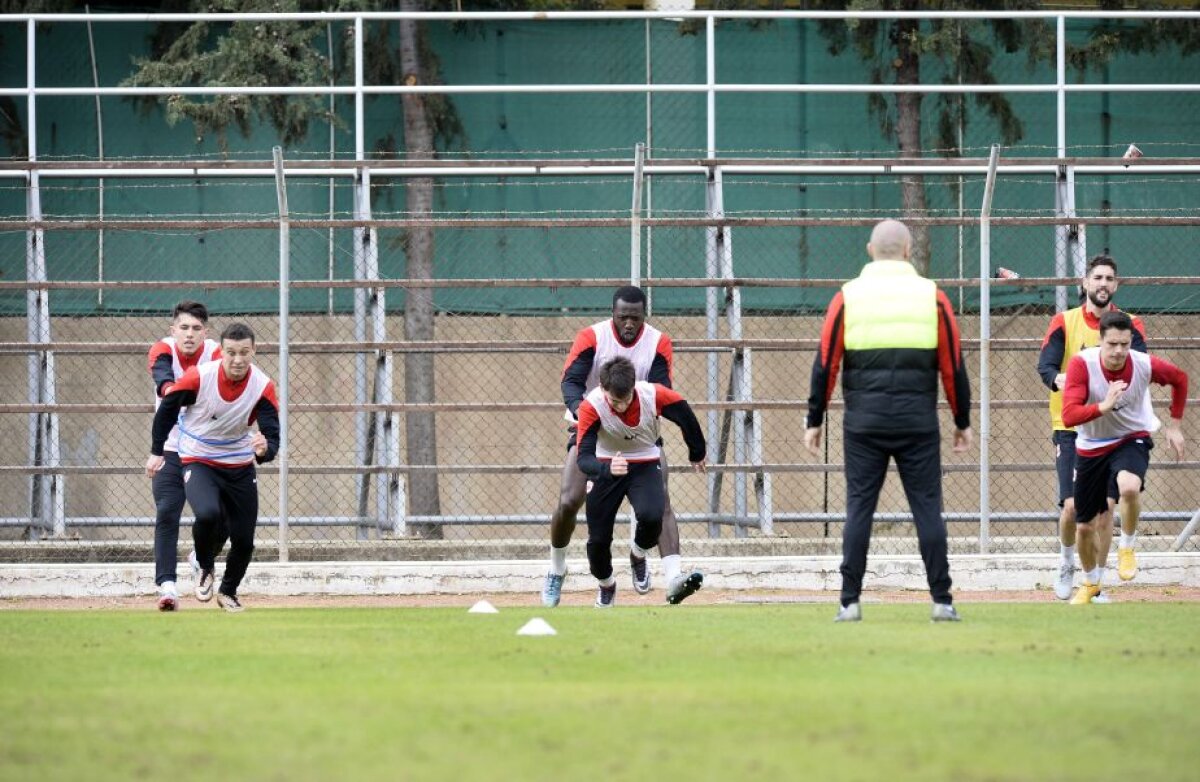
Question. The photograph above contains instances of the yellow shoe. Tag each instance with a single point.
(1084, 594)
(1126, 564)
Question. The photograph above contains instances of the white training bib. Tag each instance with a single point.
(218, 431)
(207, 350)
(637, 443)
(1133, 411)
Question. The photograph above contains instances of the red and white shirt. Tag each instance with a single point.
(1133, 415)
(180, 363)
(597, 344)
(215, 429)
(634, 433)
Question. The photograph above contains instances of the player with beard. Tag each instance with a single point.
(1069, 333)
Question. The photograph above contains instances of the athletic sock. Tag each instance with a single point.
(672, 565)
(1092, 576)
(558, 561)
(637, 550)
(1068, 554)
(1100, 576)
(1127, 541)
(607, 582)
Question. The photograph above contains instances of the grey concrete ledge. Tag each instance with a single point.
(971, 573)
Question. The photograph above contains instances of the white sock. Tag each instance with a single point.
(167, 587)
(1127, 541)
(1092, 576)
(1099, 576)
(558, 561)
(637, 550)
(607, 582)
(672, 565)
(1068, 554)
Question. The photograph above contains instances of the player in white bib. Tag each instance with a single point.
(617, 442)
(1107, 400)
(218, 449)
(186, 347)
(628, 335)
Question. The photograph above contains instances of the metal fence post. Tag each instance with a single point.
(282, 380)
(985, 335)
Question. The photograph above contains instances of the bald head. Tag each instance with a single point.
(890, 241)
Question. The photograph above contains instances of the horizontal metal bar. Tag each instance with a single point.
(969, 344)
(442, 283)
(211, 224)
(601, 16)
(530, 469)
(453, 168)
(1049, 88)
(540, 519)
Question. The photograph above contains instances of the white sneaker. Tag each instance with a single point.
(1065, 580)
(1102, 598)
(168, 598)
(850, 613)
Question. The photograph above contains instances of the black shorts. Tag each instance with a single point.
(1096, 476)
(1064, 463)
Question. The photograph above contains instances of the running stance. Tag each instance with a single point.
(1107, 400)
(628, 335)
(618, 442)
(186, 347)
(218, 450)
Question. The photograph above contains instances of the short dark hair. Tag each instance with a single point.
(1115, 319)
(1103, 259)
(193, 308)
(238, 331)
(617, 376)
(630, 294)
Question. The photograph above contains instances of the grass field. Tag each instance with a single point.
(720, 692)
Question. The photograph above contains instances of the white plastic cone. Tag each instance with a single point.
(537, 626)
(483, 607)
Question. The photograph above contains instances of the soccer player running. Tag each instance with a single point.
(1107, 400)
(218, 450)
(618, 445)
(1069, 333)
(628, 335)
(186, 347)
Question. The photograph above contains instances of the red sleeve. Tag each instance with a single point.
(588, 417)
(950, 363)
(188, 381)
(1165, 373)
(217, 355)
(1057, 323)
(664, 396)
(159, 348)
(833, 342)
(585, 340)
(1075, 409)
(667, 351)
(269, 395)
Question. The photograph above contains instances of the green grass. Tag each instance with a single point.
(725, 692)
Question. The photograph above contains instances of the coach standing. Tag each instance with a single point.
(897, 334)
(218, 450)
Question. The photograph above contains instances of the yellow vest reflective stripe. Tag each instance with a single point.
(890, 306)
(1077, 335)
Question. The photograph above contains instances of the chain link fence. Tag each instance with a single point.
(425, 418)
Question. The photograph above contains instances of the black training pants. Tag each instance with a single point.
(918, 457)
(221, 495)
(643, 485)
(169, 497)
(167, 487)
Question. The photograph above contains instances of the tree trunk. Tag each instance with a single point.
(419, 386)
(908, 133)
